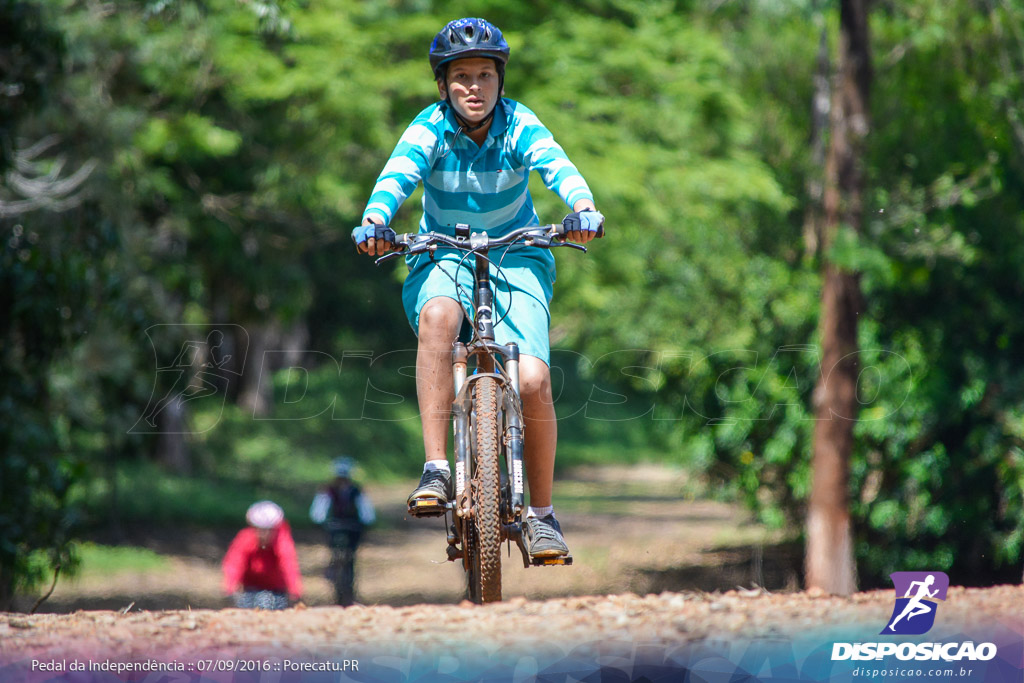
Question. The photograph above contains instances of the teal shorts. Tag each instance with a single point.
(522, 296)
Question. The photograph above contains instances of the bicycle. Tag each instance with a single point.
(487, 418)
(343, 540)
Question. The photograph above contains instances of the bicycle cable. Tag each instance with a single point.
(463, 295)
(498, 273)
(461, 291)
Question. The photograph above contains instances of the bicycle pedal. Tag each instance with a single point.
(426, 507)
(563, 561)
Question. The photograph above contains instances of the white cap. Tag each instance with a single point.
(264, 514)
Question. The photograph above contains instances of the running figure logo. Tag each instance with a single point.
(914, 612)
(206, 360)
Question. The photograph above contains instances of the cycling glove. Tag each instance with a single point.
(378, 232)
(585, 221)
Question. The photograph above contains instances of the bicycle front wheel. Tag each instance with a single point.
(343, 572)
(485, 560)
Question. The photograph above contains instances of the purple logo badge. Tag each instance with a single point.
(916, 593)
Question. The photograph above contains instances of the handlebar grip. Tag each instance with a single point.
(560, 230)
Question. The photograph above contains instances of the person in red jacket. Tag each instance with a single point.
(261, 568)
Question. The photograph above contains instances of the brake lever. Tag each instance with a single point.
(569, 244)
(389, 257)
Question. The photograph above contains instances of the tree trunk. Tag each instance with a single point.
(254, 389)
(819, 131)
(171, 447)
(829, 559)
(6, 589)
(255, 395)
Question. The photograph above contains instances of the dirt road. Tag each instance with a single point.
(631, 530)
(464, 641)
(654, 571)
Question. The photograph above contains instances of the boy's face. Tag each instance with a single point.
(473, 86)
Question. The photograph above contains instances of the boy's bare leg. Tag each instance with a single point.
(541, 428)
(440, 320)
(542, 532)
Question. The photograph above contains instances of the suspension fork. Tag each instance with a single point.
(461, 409)
(511, 406)
(514, 431)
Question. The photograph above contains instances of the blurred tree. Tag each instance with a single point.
(829, 554)
(942, 227)
(939, 473)
(36, 523)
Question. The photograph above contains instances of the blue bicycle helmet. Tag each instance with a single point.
(343, 466)
(468, 38)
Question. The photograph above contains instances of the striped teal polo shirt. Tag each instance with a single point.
(484, 186)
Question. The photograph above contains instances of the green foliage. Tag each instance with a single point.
(29, 60)
(152, 496)
(936, 473)
(103, 561)
(366, 408)
(41, 280)
(364, 412)
(36, 521)
(233, 144)
(948, 220)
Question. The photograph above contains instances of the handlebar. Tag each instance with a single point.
(545, 236)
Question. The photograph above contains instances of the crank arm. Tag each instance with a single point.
(514, 532)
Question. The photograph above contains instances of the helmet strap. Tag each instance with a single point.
(464, 125)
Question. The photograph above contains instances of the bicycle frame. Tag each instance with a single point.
(501, 362)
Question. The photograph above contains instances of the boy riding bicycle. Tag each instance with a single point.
(474, 151)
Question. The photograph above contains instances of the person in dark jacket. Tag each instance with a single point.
(344, 510)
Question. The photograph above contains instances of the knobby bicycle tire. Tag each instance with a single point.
(485, 566)
(342, 570)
